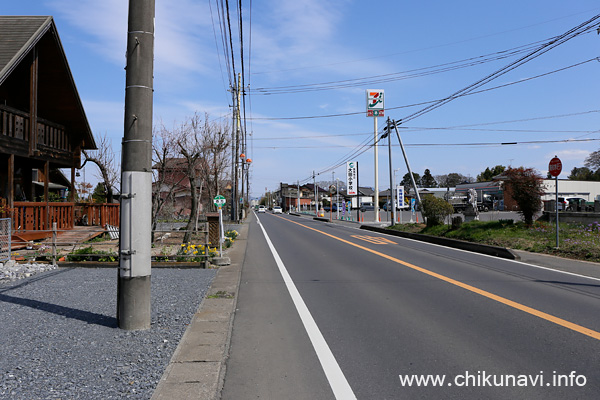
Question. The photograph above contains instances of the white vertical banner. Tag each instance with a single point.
(400, 196)
(352, 178)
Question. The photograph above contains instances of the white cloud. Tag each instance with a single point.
(182, 40)
(573, 155)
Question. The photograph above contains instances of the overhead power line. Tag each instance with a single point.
(430, 101)
(471, 144)
(570, 34)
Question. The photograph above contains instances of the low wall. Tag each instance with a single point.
(454, 243)
(583, 218)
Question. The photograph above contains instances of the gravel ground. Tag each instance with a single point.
(60, 338)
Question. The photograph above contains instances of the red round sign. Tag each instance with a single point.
(555, 166)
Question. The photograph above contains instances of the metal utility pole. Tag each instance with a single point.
(412, 178)
(133, 286)
(392, 188)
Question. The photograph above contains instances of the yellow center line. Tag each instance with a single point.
(500, 299)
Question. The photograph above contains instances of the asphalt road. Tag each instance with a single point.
(407, 216)
(391, 309)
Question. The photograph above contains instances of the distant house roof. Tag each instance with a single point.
(58, 99)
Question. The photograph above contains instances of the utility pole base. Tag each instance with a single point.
(133, 307)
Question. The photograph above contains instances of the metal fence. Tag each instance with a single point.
(5, 234)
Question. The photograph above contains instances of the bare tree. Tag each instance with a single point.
(215, 147)
(189, 143)
(192, 157)
(167, 171)
(104, 158)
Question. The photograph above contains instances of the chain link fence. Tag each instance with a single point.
(5, 234)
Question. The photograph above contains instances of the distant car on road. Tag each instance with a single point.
(262, 209)
(277, 210)
(367, 206)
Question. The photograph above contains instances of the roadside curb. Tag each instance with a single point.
(454, 243)
(197, 368)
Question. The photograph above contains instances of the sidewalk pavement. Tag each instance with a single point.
(197, 368)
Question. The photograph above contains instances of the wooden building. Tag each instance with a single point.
(43, 126)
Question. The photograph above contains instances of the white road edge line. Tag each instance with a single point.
(340, 386)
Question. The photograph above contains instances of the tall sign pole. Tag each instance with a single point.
(375, 108)
(555, 168)
(133, 286)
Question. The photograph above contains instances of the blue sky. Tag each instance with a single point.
(303, 42)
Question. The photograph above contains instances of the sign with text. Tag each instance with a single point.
(555, 167)
(375, 105)
(400, 196)
(352, 178)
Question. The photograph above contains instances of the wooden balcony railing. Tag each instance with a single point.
(29, 216)
(32, 216)
(15, 124)
(101, 214)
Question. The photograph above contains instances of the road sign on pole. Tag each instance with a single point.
(219, 201)
(555, 167)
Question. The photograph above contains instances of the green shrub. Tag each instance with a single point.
(436, 210)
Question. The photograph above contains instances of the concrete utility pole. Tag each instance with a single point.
(234, 161)
(412, 178)
(239, 146)
(133, 286)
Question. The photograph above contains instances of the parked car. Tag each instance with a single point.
(333, 207)
(367, 206)
(262, 209)
(277, 210)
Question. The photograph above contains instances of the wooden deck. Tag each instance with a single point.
(77, 235)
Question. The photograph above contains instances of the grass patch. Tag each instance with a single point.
(581, 242)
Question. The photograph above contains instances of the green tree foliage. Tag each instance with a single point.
(99, 195)
(489, 173)
(527, 188)
(436, 210)
(427, 180)
(406, 181)
(584, 174)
